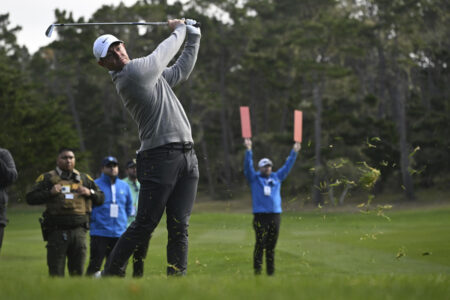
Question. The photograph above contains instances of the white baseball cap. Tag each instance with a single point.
(265, 162)
(102, 43)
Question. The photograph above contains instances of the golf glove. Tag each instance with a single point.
(190, 27)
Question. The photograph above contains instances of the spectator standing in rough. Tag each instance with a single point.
(266, 201)
(8, 174)
(68, 196)
(109, 220)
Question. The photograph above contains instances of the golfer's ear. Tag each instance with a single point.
(101, 63)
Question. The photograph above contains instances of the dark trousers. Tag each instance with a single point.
(169, 177)
(101, 247)
(139, 255)
(267, 227)
(70, 244)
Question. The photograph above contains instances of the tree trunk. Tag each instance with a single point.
(398, 97)
(284, 114)
(76, 118)
(344, 193)
(224, 122)
(331, 195)
(317, 95)
(211, 190)
(382, 83)
(205, 159)
(57, 86)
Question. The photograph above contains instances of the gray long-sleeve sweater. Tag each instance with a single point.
(145, 86)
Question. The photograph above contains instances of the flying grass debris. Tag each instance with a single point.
(414, 152)
(401, 252)
(366, 208)
(369, 176)
(372, 236)
(369, 144)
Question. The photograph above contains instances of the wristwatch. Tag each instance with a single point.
(92, 192)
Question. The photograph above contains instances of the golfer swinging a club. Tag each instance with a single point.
(167, 166)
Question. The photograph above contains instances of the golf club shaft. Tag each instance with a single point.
(110, 23)
(49, 30)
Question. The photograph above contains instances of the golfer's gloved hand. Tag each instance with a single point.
(190, 27)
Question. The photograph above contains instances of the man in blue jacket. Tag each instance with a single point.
(266, 200)
(109, 220)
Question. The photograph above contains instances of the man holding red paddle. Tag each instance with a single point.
(266, 198)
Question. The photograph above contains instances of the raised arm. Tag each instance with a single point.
(151, 67)
(283, 172)
(184, 65)
(249, 170)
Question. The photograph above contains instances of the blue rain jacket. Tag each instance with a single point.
(102, 224)
(270, 203)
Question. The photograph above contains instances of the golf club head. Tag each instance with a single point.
(49, 30)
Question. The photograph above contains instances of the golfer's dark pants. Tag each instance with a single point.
(101, 247)
(139, 255)
(267, 227)
(169, 177)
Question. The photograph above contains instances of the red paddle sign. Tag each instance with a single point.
(245, 122)
(298, 123)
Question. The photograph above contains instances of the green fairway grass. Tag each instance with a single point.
(320, 255)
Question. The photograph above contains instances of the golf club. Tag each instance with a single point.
(49, 30)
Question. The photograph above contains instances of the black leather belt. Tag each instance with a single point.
(185, 146)
(180, 146)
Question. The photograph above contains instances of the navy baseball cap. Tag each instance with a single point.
(131, 163)
(109, 160)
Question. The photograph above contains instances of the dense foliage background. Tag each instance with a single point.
(371, 76)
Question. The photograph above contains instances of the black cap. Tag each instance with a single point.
(109, 160)
(131, 163)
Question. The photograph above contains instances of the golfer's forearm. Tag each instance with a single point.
(188, 58)
(184, 65)
(168, 48)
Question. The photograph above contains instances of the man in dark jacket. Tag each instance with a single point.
(8, 174)
(68, 196)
